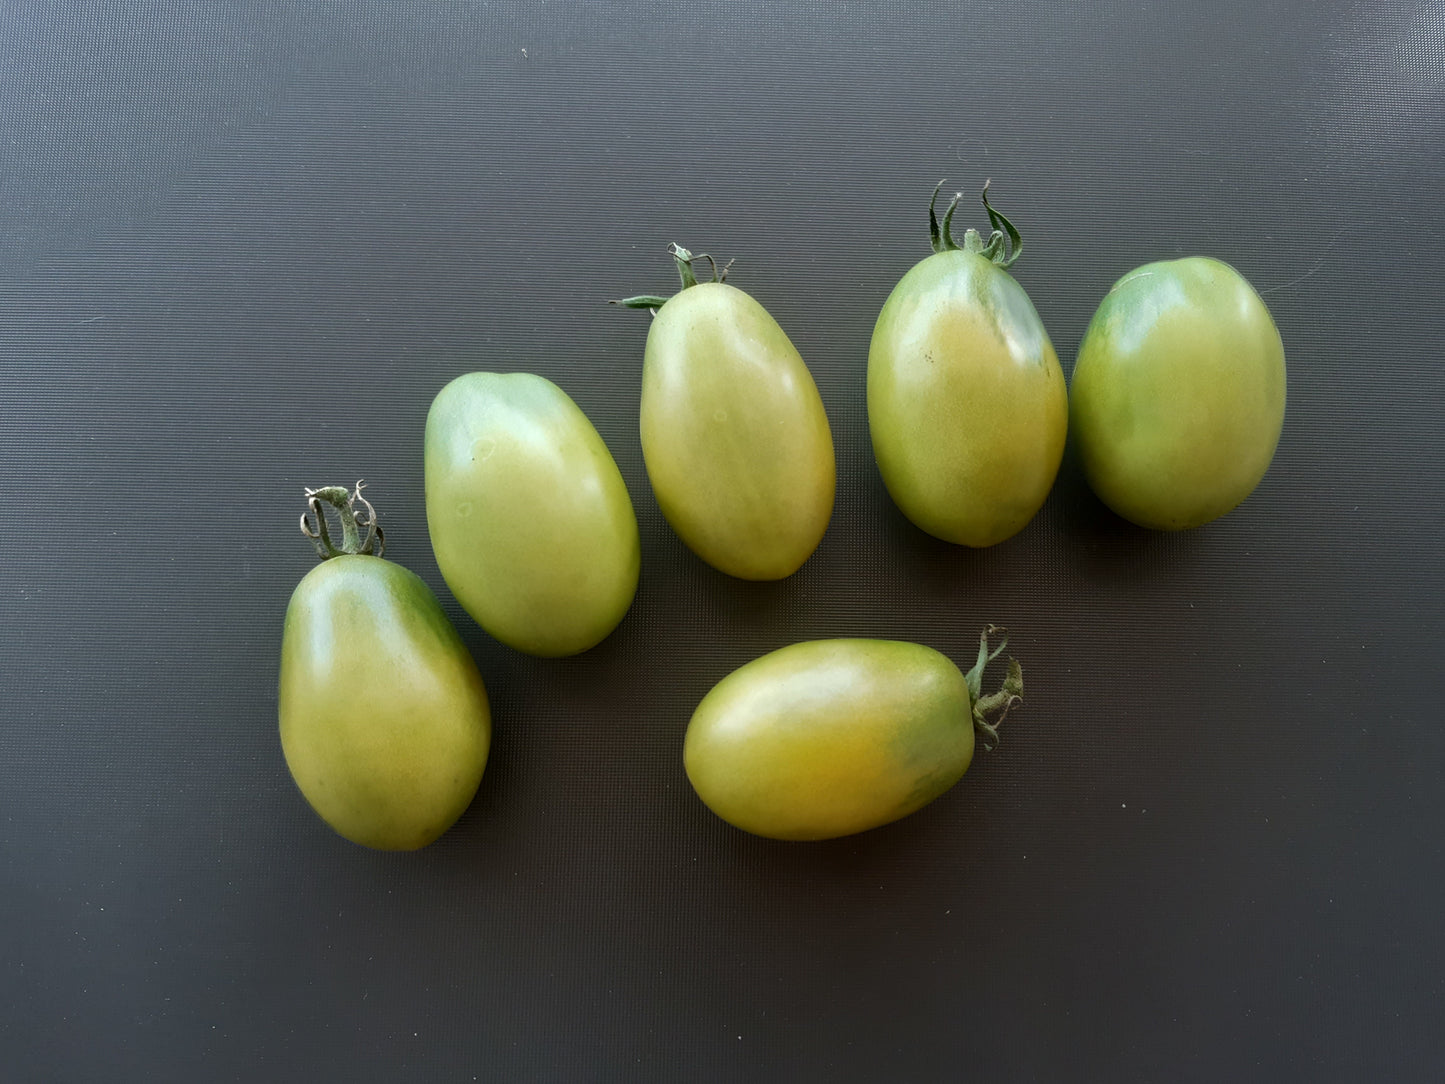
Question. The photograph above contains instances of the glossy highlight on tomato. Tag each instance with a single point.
(384, 720)
(967, 406)
(830, 737)
(529, 517)
(734, 434)
(1178, 395)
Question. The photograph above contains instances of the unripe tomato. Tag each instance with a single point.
(1178, 394)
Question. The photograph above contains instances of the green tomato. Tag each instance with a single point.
(734, 435)
(384, 719)
(967, 405)
(831, 737)
(530, 520)
(1178, 394)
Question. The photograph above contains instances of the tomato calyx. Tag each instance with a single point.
(991, 710)
(343, 502)
(1004, 245)
(684, 260)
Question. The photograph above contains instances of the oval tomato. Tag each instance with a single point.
(529, 517)
(734, 435)
(1178, 394)
(967, 405)
(830, 737)
(384, 719)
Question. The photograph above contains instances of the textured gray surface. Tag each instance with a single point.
(242, 244)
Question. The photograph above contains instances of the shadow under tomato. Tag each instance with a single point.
(1104, 536)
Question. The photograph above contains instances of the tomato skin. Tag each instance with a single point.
(1178, 394)
(830, 737)
(967, 405)
(384, 720)
(734, 434)
(529, 517)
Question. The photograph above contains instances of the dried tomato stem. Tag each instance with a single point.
(991, 710)
(343, 502)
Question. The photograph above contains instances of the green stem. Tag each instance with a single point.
(1003, 247)
(998, 221)
(685, 272)
(935, 235)
(343, 502)
(641, 301)
(991, 710)
(683, 258)
(948, 241)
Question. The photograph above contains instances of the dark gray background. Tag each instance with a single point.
(242, 244)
